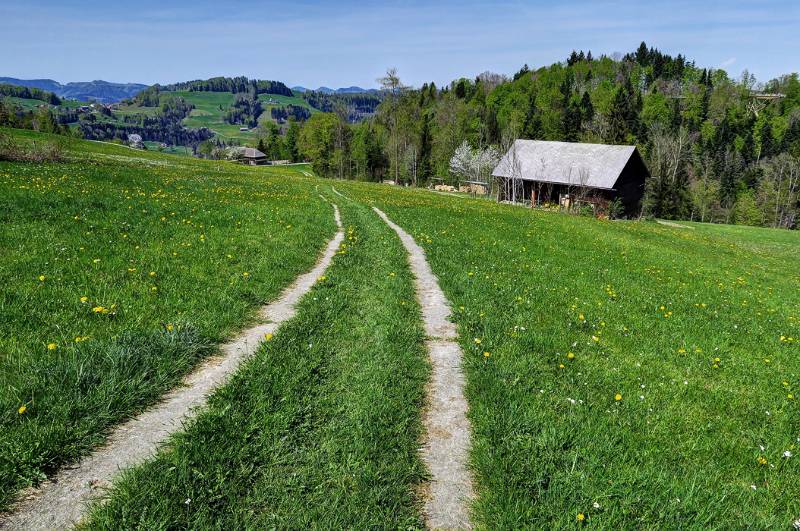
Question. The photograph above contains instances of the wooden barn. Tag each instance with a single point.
(572, 175)
(250, 156)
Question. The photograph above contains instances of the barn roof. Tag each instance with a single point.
(249, 153)
(590, 165)
(253, 153)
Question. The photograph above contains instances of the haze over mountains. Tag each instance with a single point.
(98, 90)
(328, 90)
(110, 92)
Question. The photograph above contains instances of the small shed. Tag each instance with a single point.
(572, 174)
(250, 156)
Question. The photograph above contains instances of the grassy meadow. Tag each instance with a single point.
(623, 375)
(121, 269)
(619, 374)
(320, 428)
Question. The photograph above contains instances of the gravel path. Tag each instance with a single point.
(62, 501)
(446, 447)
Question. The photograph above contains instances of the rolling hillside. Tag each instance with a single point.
(618, 374)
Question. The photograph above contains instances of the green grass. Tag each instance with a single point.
(207, 112)
(319, 429)
(174, 253)
(691, 327)
(29, 104)
(24, 103)
(646, 311)
(172, 150)
(127, 110)
(282, 100)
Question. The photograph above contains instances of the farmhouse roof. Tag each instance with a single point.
(250, 153)
(590, 165)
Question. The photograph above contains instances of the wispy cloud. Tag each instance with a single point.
(727, 62)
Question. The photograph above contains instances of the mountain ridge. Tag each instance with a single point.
(342, 90)
(97, 90)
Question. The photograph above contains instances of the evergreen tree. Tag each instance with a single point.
(587, 109)
(291, 151)
(425, 148)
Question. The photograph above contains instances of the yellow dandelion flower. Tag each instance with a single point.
(170, 327)
(52, 346)
(617, 397)
(570, 356)
(487, 354)
(152, 273)
(84, 298)
(761, 460)
(268, 336)
(580, 517)
(790, 396)
(477, 341)
(41, 278)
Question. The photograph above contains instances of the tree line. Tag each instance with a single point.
(231, 84)
(354, 107)
(29, 93)
(719, 149)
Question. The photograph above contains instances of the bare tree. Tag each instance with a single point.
(394, 88)
(779, 191)
(510, 187)
(669, 157)
(490, 80)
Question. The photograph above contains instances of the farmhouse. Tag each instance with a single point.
(572, 175)
(250, 156)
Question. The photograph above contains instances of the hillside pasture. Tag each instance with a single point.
(619, 374)
(639, 375)
(122, 269)
(320, 428)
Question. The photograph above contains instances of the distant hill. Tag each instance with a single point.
(101, 91)
(327, 90)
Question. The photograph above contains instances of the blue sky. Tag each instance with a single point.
(343, 43)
